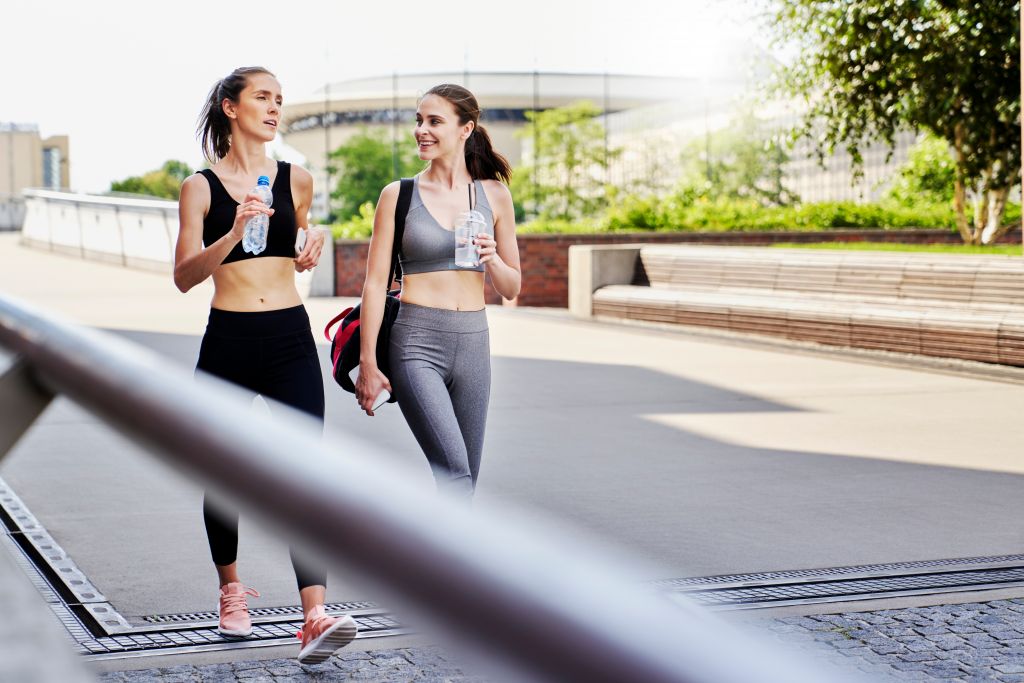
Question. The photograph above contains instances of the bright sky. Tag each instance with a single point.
(126, 80)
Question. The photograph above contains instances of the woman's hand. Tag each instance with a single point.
(487, 247)
(369, 386)
(310, 255)
(251, 206)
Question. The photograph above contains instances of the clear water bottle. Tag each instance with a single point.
(468, 225)
(255, 239)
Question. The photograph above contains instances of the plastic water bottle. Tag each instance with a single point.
(255, 239)
(468, 225)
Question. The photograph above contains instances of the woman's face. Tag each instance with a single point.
(258, 110)
(438, 132)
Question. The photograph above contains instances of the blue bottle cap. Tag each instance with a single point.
(263, 180)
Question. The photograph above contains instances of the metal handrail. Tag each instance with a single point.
(558, 610)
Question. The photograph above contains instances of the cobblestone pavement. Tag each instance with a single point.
(421, 664)
(970, 642)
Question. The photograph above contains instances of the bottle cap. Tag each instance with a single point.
(263, 180)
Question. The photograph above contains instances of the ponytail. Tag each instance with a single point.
(482, 160)
(214, 129)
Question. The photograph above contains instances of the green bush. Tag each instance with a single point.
(682, 212)
(928, 173)
(359, 226)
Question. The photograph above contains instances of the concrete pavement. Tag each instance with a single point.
(694, 455)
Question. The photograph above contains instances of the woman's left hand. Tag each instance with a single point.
(487, 247)
(310, 256)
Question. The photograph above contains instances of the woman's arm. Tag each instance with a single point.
(302, 191)
(378, 266)
(192, 263)
(500, 253)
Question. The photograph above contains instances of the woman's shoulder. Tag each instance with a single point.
(496, 186)
(300, 177)
(196, 185)
(297, 171)
(497, 192)
(390, 191)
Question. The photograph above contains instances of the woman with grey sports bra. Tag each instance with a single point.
(440, 348)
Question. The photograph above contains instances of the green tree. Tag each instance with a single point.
(164, 182)
(566, 178)
(928, 176)
(364, 165)
(742, 161)
(869, 68)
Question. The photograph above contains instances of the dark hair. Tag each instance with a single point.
(214, 127)
(482, 160)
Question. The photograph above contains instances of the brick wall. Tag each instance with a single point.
(350, 266)
(545, 258)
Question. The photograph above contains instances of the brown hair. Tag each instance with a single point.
(482, 160)
(214, 127)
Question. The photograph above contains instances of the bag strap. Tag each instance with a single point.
(340, 316)
(401, 209)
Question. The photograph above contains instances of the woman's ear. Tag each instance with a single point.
(228, 107)
(468, 130)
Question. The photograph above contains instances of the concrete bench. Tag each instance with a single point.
(933, 304)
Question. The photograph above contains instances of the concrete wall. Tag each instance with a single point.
(592, 267)
(133, 232)
(138, 233)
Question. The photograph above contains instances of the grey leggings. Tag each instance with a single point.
(441, 376)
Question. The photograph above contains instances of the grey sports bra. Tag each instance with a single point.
(427, 246)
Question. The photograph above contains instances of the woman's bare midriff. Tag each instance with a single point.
(259, 284)
(449, 289)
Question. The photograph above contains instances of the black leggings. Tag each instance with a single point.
(271, 353)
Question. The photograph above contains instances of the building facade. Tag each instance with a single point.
(28, 161)
(325, 120)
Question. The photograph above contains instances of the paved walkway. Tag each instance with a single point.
(693, 456)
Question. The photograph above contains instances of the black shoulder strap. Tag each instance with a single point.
(401, 209)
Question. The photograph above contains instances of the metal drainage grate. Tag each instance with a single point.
(99, 631)
(149, 643)
(256, 613)
(789, 576)
(809, 592)
(50, 559)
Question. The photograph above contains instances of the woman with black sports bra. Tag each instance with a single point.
(440, 349)
(258, 335)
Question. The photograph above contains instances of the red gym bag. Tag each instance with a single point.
(345, 343)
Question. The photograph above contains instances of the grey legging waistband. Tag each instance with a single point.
(442, 319)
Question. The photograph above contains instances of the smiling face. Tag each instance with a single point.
(438, 131)
(258, 109)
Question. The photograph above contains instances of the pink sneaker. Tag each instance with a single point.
(322, 635)
(234, 610)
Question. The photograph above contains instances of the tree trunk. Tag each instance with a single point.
(959, 191)
(994, 228)
(981, 201)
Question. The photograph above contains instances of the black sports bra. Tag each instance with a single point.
(221, 216)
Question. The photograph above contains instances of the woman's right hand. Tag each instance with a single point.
(251, 206)
(369, 386)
